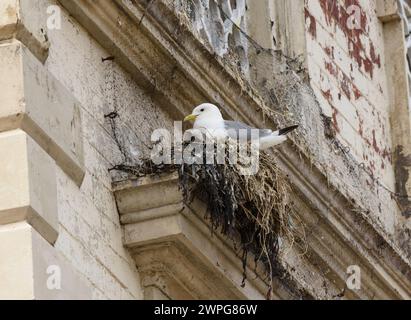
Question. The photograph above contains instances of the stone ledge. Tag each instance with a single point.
(174, 242)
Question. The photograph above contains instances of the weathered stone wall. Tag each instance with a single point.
(347, 69)
(349, 64)
(63, 93)
(89, 234)
(349, 108)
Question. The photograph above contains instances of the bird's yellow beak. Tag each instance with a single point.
(190, 117)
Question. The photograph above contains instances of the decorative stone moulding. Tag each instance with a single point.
(173, 246)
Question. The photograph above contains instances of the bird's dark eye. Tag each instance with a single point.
(201, 110)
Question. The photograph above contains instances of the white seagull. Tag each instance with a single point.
(208, 117)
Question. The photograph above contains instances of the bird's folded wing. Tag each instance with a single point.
(233, 128)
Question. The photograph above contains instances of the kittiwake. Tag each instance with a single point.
(208, 117)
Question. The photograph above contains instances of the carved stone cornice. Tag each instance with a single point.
(150, 46)
(173, 242)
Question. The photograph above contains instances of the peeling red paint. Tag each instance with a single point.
(336, 14)
(312, 28)
(368, 66)
(327, 94)
(330, 68)
(345, 83)
(364, 57)
(374, 58)
(361, 124)
(348, 88)
(374, 142)
(335, 122)
(357, 92)
(385, 154)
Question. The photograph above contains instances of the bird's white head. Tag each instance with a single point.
(204, 111)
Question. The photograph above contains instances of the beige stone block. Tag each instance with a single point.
(95, 243)
(16, 281)
(33, 100)
(25, 20)
(387, 10)
(82, 259)
(11, 101)
(31, 268)
(8, 17)
(28, 187)
(49, 266)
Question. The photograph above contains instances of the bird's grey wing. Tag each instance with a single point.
(233, 128)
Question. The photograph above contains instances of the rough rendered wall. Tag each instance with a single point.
(90, 236)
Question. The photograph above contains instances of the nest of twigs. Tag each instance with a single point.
(255, 211)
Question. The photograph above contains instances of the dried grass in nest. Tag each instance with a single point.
(255, 211)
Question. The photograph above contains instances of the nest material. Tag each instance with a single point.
(255, 211)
